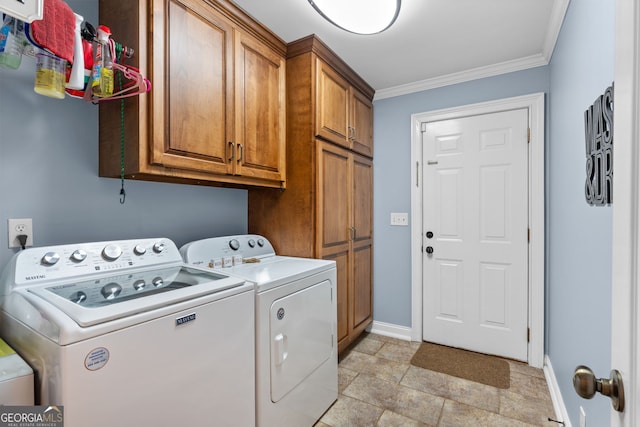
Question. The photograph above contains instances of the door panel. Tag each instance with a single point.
(476, 204)
(332, 111)
(301, 331)
(260, 110)
(362, 197)
(336, 198)
(197, 105)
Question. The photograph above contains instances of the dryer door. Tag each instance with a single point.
(301, 336)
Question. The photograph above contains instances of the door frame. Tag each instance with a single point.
(534, 103)
(625, 295)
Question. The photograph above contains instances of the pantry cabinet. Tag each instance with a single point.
(326, 210)
(217, 110)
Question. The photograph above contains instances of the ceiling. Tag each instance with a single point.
(433, 43)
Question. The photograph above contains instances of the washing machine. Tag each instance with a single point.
(124, 333)
(296, 318)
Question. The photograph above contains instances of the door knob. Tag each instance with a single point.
(429, 249)
(586, 385)
(429, 234)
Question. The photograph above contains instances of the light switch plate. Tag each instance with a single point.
(400, 218)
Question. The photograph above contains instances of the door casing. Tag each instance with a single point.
(535, 105)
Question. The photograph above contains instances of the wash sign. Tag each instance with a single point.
(598, 132)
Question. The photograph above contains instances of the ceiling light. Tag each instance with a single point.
(359, 16)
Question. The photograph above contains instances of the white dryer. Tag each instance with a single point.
(296, 318)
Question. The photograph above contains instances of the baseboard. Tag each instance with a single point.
(390, 330)
(556, 396)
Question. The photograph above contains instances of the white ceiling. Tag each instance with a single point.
(433, 42)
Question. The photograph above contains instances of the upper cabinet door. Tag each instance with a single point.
(361, 124)
(193, 78)
(260, 118)
(332, 109)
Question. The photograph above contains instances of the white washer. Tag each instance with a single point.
(124, 333)
(296, 317)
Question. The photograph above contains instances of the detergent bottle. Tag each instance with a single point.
(102, 74)
(12, 42)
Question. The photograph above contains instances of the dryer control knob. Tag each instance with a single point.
(139, 250)
(79, 255)
(111, 252)
(157, 282)
(158, 247)
(50, 258)
(261, 242)
(252, 243)
(234, 244)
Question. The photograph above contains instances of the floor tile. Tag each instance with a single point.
(405, 401)
(456, 414)
(375, 366)
(468, 392)
(348, 412)
(391, 419)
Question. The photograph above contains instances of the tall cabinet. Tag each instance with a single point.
(326, 209)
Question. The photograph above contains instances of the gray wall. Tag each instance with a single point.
(393, 172)
(49, 172)
(579, 236)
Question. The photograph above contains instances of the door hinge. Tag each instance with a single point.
(528, 135)
(528, 334)
(529, 235)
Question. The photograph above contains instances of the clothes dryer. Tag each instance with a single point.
(296, 318)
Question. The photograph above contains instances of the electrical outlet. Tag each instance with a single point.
(17, 227)
(399, 218)
(583, 418)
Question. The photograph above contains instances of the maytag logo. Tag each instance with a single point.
(36, 277)
(185, 319)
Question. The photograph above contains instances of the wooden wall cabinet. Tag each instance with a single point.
(344, 114)
(217, 110)
(326, 210)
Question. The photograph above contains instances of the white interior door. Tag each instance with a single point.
(625, 322)
(475, 236)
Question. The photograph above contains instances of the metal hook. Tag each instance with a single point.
(123, 195)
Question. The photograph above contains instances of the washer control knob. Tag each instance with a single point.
(234, 244)
(111, 290)
(79, 255)
(139, 250)
(111, 252)
(261, 242)
(157, 282)
(78, 297)
(158, 247)
(252, 243)
(50, 258)
(139, 285)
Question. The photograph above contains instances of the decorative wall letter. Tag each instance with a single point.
(598, 132)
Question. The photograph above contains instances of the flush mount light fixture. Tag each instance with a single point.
(359, 16)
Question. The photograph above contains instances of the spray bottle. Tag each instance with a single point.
(102, 74)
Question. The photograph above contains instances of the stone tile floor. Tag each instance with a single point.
(377, 386)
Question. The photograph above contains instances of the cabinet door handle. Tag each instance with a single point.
(233, 151)
(240, 152)
(352, 233)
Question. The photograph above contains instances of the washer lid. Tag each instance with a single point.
(102, 299)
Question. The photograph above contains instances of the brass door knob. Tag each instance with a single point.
(586, 385)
